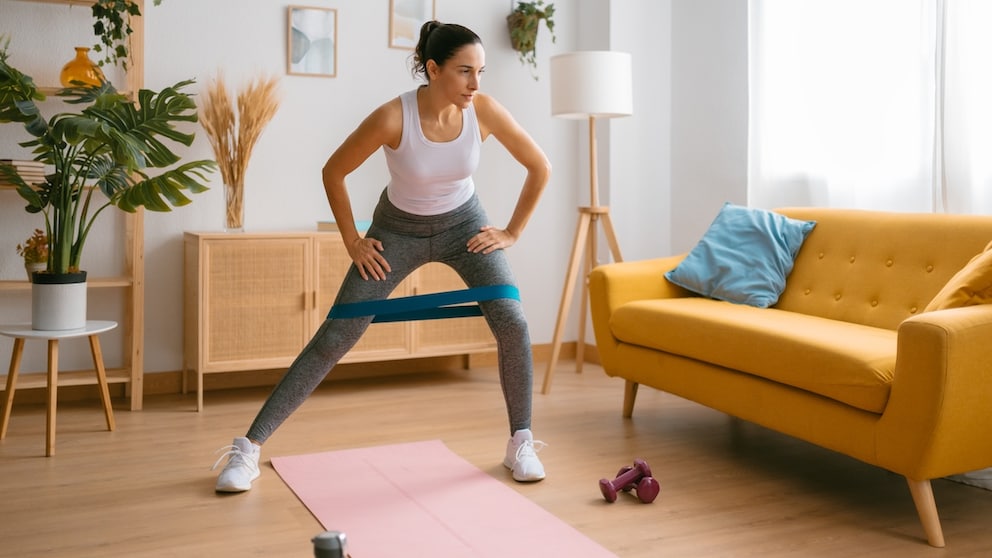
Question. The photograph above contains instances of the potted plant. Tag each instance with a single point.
(35, 252)
(523, 23)
(99, 157)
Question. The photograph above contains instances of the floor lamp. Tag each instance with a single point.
(587, 85)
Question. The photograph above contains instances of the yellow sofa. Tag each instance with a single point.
(846, 359)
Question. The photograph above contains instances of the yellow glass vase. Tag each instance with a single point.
(81, 69)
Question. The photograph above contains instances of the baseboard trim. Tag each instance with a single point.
(166, 383)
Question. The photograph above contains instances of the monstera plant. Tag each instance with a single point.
(99, 157)
(111, 152)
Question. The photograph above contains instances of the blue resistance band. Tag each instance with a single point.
(435, 306)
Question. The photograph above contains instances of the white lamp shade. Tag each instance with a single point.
(591, 83)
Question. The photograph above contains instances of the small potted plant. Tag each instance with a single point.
(523, 23)
(35, 252)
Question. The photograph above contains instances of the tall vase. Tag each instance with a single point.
(58, 301)
(234, 202)
(81, 69)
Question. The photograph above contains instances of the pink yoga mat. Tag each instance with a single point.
(422, 499)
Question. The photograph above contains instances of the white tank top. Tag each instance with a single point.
(429, 177)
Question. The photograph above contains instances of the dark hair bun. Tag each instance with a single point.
(439, 42)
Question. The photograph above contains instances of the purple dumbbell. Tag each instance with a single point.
(637, 477)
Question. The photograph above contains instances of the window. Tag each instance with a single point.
(879, 104)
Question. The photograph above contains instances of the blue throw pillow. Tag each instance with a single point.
(744, 257)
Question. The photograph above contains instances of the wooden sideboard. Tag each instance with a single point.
(253, 300)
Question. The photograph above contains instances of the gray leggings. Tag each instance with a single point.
(410, 241)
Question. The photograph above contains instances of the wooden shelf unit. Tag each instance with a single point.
(132, 323)
(253, 300)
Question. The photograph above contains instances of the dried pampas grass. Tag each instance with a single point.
(234, 133)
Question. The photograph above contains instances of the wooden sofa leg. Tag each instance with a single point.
(629, 395)
(926, 507)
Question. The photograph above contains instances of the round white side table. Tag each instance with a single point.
(21, 332)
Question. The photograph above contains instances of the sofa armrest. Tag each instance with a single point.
(938, 420)
(612, 285)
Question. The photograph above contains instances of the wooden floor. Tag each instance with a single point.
(728, 488)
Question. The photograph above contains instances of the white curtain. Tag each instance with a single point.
(968, 107)
(875, 104)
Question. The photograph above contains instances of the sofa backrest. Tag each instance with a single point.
(878, 268)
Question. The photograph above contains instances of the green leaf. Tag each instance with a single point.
(162, 192)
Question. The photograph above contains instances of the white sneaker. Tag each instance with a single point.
(521, 457)
(241, 468)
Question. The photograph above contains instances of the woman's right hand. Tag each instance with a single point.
(367, 255)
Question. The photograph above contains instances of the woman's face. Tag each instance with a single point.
(460, 75)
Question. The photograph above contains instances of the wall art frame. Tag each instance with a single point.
(406, 17)
(312, 41)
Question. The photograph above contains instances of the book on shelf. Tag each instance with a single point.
(32, 172)
(332, 226)
(26, 165)
(29, 178)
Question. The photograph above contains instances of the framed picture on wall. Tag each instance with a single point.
(312, 36)
(406, 17)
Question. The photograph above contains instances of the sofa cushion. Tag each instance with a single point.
(744, 256)
(850, 363)
(972, 285)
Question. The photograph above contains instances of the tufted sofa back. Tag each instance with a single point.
(878, 268)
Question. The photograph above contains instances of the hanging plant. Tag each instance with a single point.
(523, 23)
(112, 27)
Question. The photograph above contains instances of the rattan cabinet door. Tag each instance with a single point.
(254, 301)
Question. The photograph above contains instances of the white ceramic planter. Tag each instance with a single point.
(58, 306)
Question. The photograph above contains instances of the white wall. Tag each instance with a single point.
(640, 160)
(666, 167)
(709, 114)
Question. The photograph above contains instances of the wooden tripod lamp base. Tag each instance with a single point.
(585, 241)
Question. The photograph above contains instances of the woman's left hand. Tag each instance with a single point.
(489, 239)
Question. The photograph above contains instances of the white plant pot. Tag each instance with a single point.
(58, 306)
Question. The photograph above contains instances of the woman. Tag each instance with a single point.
(431, 138)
